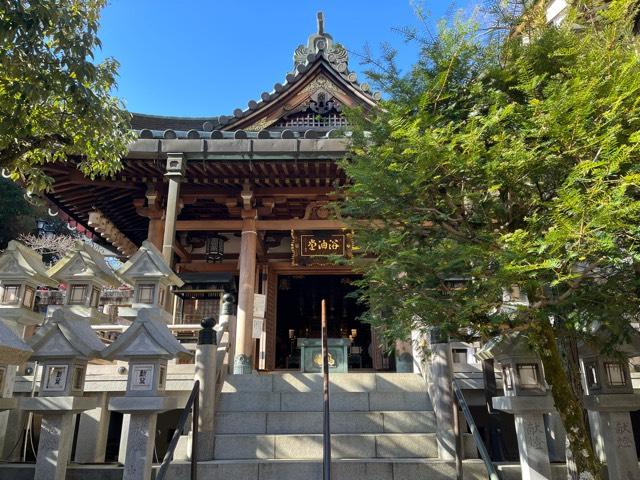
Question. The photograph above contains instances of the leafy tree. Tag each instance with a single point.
(55, 101)
(16, 215)
(507, 162)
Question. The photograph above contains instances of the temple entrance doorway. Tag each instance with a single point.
(298, 316)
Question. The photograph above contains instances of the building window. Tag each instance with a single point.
(95, 297)
(29, 297)
(459, 355)
(163, 377)
(161, 302)
(591, 376)
(78, 378)
(145, 293)
(77, 295)
(10, 294)
(615, 374)
(528, 375)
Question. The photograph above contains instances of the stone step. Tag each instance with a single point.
(370, 469)
(244, 447)
(313, 402)
(312, 382)
(311, 422)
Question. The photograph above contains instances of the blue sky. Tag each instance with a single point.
(207, 57)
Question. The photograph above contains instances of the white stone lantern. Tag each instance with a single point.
(151, 279)
(606, 375)
(85, 273)
(526, 396)
(147, 345)
(522, 372)
(63, 346)
(21, 273)
(609, 399)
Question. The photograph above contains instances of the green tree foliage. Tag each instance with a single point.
(507, 162)
(16, 215)
(55, 101)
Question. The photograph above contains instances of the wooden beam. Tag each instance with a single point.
(227, 225)
(181, 252)
(285, 268)
(208, 267)
(203, 191)
(76, 177)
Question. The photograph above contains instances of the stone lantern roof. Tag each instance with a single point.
(65, 335)
(147, 263)
(507, 345)
(147, 337)
(19, 262)
(631, 348)
(83, 262)
(13, 351)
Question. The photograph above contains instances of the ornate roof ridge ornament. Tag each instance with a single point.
(321, 43)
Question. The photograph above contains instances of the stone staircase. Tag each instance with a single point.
(269, 427)
(382, 424)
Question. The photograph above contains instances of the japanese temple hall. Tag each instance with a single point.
(241, 203)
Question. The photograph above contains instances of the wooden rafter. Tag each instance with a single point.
(102, 225)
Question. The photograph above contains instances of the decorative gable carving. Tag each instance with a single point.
(76, 266)
(317, 104)
(57, 346)
(144, 267)
(9, 265)
(143, 345)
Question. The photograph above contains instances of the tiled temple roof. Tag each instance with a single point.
(320, 48)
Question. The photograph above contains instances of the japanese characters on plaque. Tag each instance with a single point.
(316, 248)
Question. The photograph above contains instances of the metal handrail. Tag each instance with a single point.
(326, 430)
(192, 405)
(462, 403)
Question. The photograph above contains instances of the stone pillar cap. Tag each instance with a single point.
(147, 337)
(148, 263)
(65, 335)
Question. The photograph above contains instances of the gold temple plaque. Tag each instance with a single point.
(316, 248)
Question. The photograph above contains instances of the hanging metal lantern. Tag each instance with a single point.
(215, 248)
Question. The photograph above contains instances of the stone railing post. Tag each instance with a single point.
(206, 372)
(93, 430)
(440, 377)
(227, 321)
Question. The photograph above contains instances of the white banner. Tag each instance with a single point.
(259, 305)
(257, 328)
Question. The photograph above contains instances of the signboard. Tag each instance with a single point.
(316, 248)
(56, 378)
(257, 328)
(142, 377)
(259, 305)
